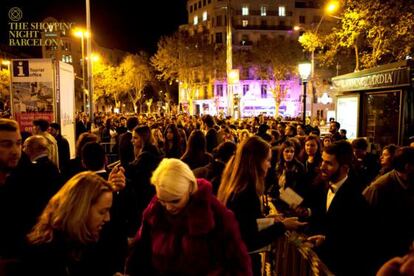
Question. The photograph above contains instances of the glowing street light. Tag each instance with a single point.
(82, 34)
(304, 72)
(330, 8)
(5, 62)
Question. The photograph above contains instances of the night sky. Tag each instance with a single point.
(115, 23)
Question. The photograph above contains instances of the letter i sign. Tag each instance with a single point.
(20, 68)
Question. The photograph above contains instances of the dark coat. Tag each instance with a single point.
(113, 242)
(246, 206)
(138, 175)
(61, 257)
(392, 204)
(346, 228)
(211, 172)
(126, 149)
(81, 128)
(23, 197)
(203, 239)
(211, 140)
(64, 152)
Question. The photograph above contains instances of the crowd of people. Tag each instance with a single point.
(187, 194)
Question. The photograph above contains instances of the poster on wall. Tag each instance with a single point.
(32, 85)
(65, 97)
(347, 110)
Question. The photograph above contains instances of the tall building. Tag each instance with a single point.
(249, 22)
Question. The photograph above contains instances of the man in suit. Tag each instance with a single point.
(63, 146)
(82, 125)
(49, 179)
(341, 216)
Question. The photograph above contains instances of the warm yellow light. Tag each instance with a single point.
(296, 28)
(95, 57)
(305, 70)
(234, 76)
(81, 33)
(331, 7)
(5, 62)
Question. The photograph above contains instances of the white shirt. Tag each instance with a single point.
(335, 187)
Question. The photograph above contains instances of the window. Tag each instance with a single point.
(302, 19)
(218, 21)
(282, 11)
(263, 10)
(245, 39)
(204, 2)
(245, 23)
(263, 91)
(245, 10)
(205, 92)
(191, 9)
(219, 90)
(263, 23)
(316, 19)
(209, 1)
(67, 58)
(195, 6)
(219, 37)
(245, 89)
(199, 4)
(195, 20)
(204, 16)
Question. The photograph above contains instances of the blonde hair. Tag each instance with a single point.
(244, 169)
(174, 177)
(68, 210)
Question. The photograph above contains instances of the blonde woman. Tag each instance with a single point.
(186, 230)
(63, 240)
(242, 185)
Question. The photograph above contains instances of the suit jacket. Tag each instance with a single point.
(345, 226)
(126, 149)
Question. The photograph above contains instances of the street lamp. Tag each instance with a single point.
(330, 8)
(304, 72)
(82, 34)
(89, 62)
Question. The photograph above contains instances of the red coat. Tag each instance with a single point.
(203, 239)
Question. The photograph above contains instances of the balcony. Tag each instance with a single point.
(264, 27)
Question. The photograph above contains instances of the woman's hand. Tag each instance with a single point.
(316, 240)
(293, 223)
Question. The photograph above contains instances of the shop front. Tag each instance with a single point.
(377, 103)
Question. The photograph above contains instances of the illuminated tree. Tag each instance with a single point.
(136, 74)
(108, 83)
(276, 60)
(188, 60)
(378, 31)
(4, 82)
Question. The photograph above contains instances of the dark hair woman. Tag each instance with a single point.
(241, 190)
(139, 171)
(172, 144)
(196, 154)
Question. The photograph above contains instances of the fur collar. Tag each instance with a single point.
(197, 215)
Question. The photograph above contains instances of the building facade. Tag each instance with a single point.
(249, 22)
